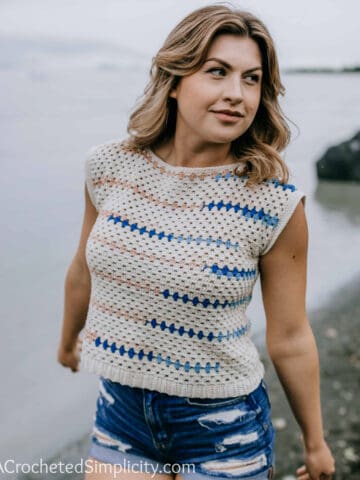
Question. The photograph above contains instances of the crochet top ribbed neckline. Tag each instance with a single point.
(160, 163)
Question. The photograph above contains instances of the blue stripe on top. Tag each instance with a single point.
(170, 236)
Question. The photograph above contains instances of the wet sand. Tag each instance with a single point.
(336, 329)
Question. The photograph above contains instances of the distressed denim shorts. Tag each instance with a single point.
(199, 438)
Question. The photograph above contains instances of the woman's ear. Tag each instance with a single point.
(172, 93)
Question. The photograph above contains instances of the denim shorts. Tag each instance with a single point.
(199, 438)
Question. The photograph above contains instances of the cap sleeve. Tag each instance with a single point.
(89, 174)
(282, 200)
(96, 175)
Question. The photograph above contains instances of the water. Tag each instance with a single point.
(56, 103)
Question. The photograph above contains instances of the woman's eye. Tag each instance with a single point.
(216, 69)
(253, 78)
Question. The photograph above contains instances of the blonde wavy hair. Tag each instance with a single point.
(184, 51)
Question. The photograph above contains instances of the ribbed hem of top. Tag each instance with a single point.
(171, 387)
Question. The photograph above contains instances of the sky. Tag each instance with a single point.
(306, 33)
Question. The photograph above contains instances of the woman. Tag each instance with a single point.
(181, 218)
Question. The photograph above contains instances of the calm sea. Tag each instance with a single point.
(56, 102)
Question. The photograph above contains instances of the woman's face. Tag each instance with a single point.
(230, 79)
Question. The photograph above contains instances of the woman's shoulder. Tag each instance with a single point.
(271, 201)
(107, 155)
(278, 201)
(273, 188)
(282, 191)
(104, 165)
(282, 197)
(109, 147)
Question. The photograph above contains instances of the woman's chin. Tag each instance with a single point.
(223, 138)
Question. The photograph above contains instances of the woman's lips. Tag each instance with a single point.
(226, 117)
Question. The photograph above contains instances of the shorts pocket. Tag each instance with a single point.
(215, 402)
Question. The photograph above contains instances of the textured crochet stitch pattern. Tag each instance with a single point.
(173, 257)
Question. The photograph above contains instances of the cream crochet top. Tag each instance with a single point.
(173, 257)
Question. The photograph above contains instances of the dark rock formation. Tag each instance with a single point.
(341, 162)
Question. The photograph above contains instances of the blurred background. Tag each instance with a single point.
(70, 72)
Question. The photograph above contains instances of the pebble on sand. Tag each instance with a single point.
(279, 423)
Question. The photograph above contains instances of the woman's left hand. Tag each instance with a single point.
(319, 464)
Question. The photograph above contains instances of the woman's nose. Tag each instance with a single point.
(234, 90)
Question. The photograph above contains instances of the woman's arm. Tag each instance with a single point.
(290, 340)
(76, 294)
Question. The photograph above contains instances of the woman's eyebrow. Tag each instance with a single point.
(227, 65)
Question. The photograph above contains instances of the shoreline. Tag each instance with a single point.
(335, 326)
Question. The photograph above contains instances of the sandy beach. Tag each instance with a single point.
(336, 328)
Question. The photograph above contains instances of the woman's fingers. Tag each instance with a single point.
(302, 473)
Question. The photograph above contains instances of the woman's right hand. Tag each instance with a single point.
(70, 356)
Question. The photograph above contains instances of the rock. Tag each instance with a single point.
(341, 443)
(347, 395)
(350, 455)
(341, 162)
(342, 411)
(331, 333)
(355, 359)
(336, 385)
(279, 423)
